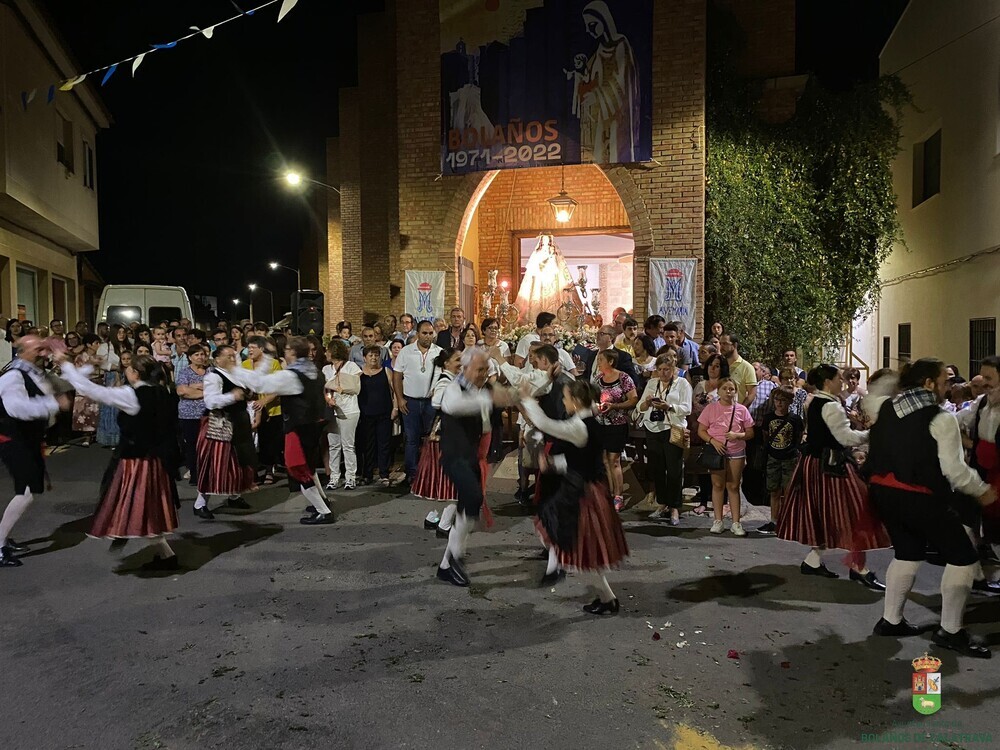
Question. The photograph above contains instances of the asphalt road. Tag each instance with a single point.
(278, 635)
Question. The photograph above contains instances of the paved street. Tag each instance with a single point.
(283, 636)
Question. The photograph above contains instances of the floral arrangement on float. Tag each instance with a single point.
(566, 338)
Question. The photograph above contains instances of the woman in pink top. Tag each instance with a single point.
(726, 426)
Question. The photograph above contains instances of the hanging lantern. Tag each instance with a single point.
(562, 205)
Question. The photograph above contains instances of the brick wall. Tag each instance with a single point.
(769, 34)
(663, 201)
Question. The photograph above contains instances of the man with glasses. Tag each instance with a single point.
(547, 335)
(623, 360)
(406, 328)
(413, 380)
(57, 328)
(219, 338)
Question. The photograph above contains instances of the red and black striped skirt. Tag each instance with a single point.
(138, 502)
(823, 510)
(219, 469)
(600, 539)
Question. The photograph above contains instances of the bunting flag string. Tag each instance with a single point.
(136, 60)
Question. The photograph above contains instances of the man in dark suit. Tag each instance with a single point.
(605, 341)
(452, 337)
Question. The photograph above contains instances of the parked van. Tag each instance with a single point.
(125, 304)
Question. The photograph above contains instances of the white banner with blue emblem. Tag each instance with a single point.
(671, 290)
(425, 294)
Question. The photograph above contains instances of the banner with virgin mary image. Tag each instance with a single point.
(535, 83)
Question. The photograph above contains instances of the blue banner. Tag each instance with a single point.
(534, 83)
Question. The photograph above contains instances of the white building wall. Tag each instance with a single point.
(948, 54)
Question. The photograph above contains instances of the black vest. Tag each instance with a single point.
(307, 407)
(32, 432)
(152, 433)
(587, 461)
(460, 435)
(232, 411)
(973, 460)
(554, 408)
(904, 446)
(819, 436)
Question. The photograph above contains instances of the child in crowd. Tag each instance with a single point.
(161, 347)
(782, 433)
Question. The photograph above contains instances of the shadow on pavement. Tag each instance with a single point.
(65, 536)
(194, 551)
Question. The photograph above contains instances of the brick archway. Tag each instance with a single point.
(470, 191)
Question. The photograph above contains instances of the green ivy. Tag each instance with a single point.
(799, 215)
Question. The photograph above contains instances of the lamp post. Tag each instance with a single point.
(298, 279)
(295, 179)
(253, 288)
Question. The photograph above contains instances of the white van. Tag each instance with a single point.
(125, 304)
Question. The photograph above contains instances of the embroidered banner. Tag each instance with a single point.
(425, 294)
(671, 290)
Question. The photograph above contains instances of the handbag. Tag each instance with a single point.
(680, 436)
(710, 459)
(220, 427)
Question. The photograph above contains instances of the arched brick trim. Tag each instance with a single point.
(458, 217)
(638, 215)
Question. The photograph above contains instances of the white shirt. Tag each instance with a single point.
(121, 397)
(417, 383)
(525, 344)
(840, 426)
(106, 358)
(17, 402)
(466, 403)
(502, 345)
(262, 380)
(440, 387)
(213, 395)
(989, 419)
(679, 398)
(571, 430)
(565, 361)
(948, 436)
(348, 402)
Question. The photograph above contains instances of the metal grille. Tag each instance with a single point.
(982, 342)
(886, 351)
(904, 347)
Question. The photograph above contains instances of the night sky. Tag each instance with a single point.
(188, 173)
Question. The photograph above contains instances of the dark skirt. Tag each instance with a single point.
(613, 437)
(431, 483)
(822, 510)
(138, 501)
(220, 471)
(583, 518)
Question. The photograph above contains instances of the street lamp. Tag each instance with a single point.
(254, 288)
(298, 279)
(295, 179)
(236, 302)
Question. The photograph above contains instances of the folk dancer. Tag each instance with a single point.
(27, 405)
(916, 463)
(138, 493)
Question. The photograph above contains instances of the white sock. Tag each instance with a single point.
(433, 517)
(160, 545)
(600, 583)
(956, 582)
(15, 509)
(313, 495)
(553, 564)
(456, 540)
(200, 501)
(813, 560)
(448, 517)
(899, 578)
(318, 485)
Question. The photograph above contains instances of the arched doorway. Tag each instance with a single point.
(502, 214)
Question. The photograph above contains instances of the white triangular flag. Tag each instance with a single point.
(207, 33)
(137, 62)
(286, 5)
(68, 85)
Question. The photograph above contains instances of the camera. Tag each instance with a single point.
(657, 415)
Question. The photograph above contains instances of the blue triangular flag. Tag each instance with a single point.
(169, 45)
(52, 94)
(111, 72)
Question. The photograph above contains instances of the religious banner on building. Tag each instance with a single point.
(671, 290)
(535, 83)
(425, 294)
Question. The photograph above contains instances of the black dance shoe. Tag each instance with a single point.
(903, 629)
(868, 580)
(597, 607)
(453, 575)
(768, 529)
(310, 510)
(822, 571)
(117, 545)
(318, 519)
(163, 563)
(239, 503)
(981, 586)
(430, 525)
(441, 533)
(16, 548)
(7, 559)
(962, 642)
(550, 579)
(205, 513)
